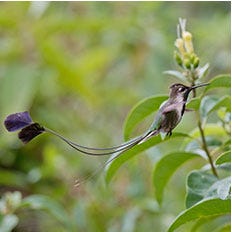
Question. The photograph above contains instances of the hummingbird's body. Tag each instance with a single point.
(171, 111)
(167, 118)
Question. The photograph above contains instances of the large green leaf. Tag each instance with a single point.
(121, 159)
(224, 228)
(222, 102)
(217, 223)
(210, 129)
(165, 168)
(40, 202)
(198, 184)
(140, 111)
(219, 82)
(194, 103)
(212, 103)
(223, 188)
(207, 103)
(208, 207)
(224, 158)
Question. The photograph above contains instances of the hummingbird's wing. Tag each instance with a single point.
(164, 109)
(172, 107)
(154, 128)
(159, 120)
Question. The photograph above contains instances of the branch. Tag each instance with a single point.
(205, 147)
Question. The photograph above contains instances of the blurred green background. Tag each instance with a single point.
(79, 67)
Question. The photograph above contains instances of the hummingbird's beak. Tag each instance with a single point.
(197, 86)
(194, 87)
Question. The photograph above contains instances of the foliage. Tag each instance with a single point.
(201, 185)
(78, 67)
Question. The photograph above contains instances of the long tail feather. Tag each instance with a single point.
(102, 166)
(92, 148)
(148, 135)
(107, 151)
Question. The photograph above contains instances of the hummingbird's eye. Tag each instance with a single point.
(181, 89)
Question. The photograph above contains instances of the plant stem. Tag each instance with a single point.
(204, 146)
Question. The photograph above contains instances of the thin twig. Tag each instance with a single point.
(205, 147)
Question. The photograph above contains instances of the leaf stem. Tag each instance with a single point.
(204, 146)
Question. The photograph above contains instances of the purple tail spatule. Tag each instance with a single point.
(17, 121)
(22, 121)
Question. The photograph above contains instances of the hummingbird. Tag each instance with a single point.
(167, 118)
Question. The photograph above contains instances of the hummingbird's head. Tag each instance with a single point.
(180, 92)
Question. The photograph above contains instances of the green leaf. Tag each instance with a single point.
(203, 71)
(219, 82)
(165, 168)
(214, 222)
(40, 202)
(210, 129)
(224, 158)
(194, 103)
(208, 207)
(207, 103)
(8, 222)
(198, 184)
(176, 74)
(223, 188)
(222, 102)
(212, 103)
(122, 158)
(224, 228)
(140, 111)
(201, 222)
(202, 185)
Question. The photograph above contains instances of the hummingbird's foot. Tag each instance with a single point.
(189, 110)
(169, 134)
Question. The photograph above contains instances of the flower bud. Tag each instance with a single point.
(192, 57)
(187, 37)
(179, 43)
(187, 63)
(196, 62)
(178, 58)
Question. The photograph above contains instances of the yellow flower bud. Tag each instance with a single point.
(187, 37)
(179, 43)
